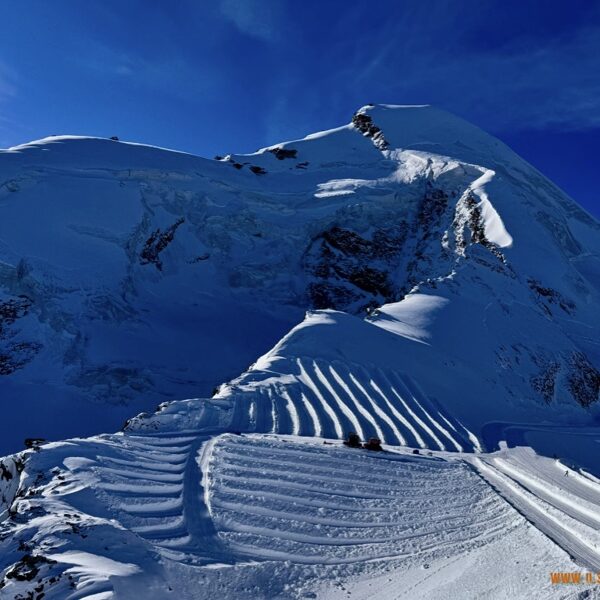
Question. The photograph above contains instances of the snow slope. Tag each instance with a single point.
(452, 297)
(193, 514)
(131, 275)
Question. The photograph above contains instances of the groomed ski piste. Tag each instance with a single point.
(473, 371)
(195, 512)
(331, 399)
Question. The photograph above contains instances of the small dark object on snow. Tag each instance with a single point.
(257, 170)
(415, 451)
(373, 444)
(352, 441)
(114, 138)
(34, 442)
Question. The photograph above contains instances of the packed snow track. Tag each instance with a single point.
(328, 399)
(284, 516)
(279, 499)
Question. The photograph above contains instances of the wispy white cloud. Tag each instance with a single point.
(260, 19)
(172, 74)
(8, 86)
(523, 83)
(8, 91)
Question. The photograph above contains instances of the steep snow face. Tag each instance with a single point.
(130, 274)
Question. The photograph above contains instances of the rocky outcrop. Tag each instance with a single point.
(544, 383)
(156, 243)
(427, 232)
(364, 124)
(15, 353)
(109, 381)
(11, 310)
(283, 153)
(583, 380)
(547, 297)
(352, 272)
(356, 272)
(10, 472)
(469, 227)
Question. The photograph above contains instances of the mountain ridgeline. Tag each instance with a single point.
(404, 282)
(132, 275)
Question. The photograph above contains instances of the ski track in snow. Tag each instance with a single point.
(331, 399)
(564, 507)
(172, 517)
(207, 499)
(271, 498)
(280, 499)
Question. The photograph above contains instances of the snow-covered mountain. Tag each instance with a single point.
(131, 275)
(452, 295)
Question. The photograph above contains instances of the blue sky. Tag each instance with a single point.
(234, 75)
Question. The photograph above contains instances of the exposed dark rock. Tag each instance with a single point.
(469, 214)
(11, 310)
(364, 123)
(385, 242)
(257, 170)
(34, 442)
(114, 381)
(156, 243)
(27, 568)
(431, 208)
(353, 271)
(329, 295)
(427, 231)
(545, 382)
(546, 296)
(371, 280)
(283, 153)
(5, 473)
(16, 355)
(583, 379)
(11, 186)
(347, 241)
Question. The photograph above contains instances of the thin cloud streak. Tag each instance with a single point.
(258, 19)
(524, 84)
(8, 87)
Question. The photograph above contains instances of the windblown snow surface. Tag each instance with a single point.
(415, 280)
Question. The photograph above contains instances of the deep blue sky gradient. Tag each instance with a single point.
(235, 75)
